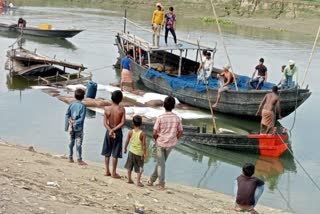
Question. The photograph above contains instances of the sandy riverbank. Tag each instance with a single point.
(24, 174)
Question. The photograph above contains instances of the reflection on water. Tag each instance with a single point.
(19, 82)
(60, 42)
(268, 169)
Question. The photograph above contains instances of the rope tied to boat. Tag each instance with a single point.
(305, 171)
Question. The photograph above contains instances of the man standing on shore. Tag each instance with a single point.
(257, 82)
(267, 105)
(157, 24)
(166, 131)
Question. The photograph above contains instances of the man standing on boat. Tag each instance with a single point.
(257, 82)
(225, 80)
(157, 24)
(267, 105)
(290, 72)
(205, 69)
(170, 25)
(126, 73)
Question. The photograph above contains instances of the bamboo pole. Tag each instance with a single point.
(209, 101)
(311, 56)
(224, 46)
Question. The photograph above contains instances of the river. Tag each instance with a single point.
(30, 116)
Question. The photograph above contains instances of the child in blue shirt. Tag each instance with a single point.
(74, 122)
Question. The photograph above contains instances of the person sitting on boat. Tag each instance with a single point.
(283, 82)
(126, 74)
(205, 69)
(290, 72)
(22, 22)
(257, 82)
(248, 189)
(267, 105)
(170, 25)
(157, 24)
(225, 80)
(11, 5)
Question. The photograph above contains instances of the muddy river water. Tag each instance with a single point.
(30, 116)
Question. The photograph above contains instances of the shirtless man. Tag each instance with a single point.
(267, 105)
(114, 119)
(225, 81)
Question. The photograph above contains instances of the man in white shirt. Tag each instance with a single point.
(205, 69)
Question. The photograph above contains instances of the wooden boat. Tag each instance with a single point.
(269, 145)
(240, 102)
(44, 70)
(66, 33)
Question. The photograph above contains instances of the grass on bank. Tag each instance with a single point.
(207, 19)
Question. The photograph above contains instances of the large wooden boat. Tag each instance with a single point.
(167, 70)
(44, 70)
(65, 33)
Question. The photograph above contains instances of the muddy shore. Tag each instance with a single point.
(40, 182)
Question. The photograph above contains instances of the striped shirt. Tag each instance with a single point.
(167, 126)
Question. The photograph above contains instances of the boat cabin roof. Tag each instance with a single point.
(144, 44)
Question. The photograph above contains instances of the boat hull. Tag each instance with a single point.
(39, 32)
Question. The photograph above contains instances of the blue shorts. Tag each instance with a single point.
(112, 146)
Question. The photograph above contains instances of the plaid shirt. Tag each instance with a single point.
(167, 126)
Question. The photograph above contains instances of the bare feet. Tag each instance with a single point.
(107, 174)
(215, 105)
(82, 163)
(149, 183)
(253, 211)
(139, 184)
(116, 176)
(130, 182)
(161, 187)
(71, 160)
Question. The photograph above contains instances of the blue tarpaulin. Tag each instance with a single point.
(190, 81)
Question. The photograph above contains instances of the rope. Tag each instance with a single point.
(295, 110)
(208, 97)
(224, 45)
(311, 56)
(287, 201)
(305, 171)
(101, 68)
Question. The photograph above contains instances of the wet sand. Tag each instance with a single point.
(25, 173)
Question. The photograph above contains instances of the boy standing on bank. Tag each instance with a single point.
(114, 119)
(137, 152)
(166, 131)
(74, 122)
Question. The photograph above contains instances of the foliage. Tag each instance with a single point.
(207, 19)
